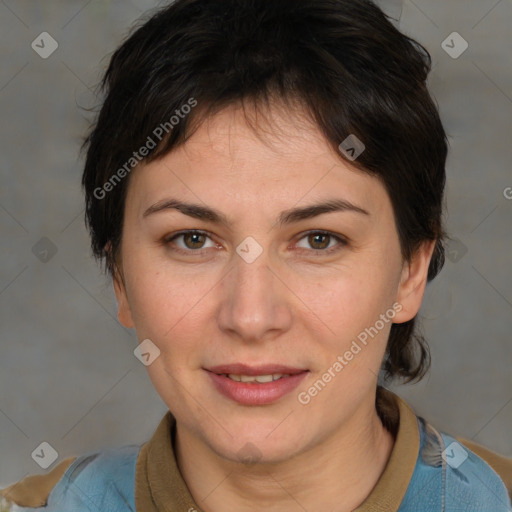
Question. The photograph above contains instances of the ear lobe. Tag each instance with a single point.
(413, 282)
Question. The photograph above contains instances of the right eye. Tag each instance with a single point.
(192, 241)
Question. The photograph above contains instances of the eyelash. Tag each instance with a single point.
(342, 242)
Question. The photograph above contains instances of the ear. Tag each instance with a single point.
(124, 313)
(413, 281)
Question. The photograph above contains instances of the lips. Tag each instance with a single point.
(243, 369)
(234, 381)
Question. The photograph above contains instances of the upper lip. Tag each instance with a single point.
(264, 369)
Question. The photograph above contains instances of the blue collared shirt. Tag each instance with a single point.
(447, 477)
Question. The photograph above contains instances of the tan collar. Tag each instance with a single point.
(159, 485)
(392, 485)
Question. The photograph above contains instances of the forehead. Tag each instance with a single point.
(243, 158)
(283, 130)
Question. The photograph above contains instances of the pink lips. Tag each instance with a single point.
(255, 393)
(265, 369)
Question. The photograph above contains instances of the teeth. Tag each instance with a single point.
(256, 378)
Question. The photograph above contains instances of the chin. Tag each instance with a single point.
(256, 444)
(257, 452)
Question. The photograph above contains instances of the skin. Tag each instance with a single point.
(295, 305)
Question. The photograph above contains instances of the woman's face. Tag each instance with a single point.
(261, 286)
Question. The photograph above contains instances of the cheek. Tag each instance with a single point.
(160, 302)
(351, 299)
(172, 307)
(165, 310)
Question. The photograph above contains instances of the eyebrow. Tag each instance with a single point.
(286, 217)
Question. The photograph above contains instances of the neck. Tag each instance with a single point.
(337, 474)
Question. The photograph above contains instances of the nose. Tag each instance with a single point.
(255, 302)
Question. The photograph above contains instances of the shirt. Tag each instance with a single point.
(427, 471)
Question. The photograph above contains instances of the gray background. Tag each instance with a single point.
(68, 375)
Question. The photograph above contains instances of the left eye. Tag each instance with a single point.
(321, 240)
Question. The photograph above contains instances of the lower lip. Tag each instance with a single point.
(248, 393)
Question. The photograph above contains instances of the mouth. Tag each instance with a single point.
(261, 379)
(255, 385)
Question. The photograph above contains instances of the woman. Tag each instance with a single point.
(265, 184)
